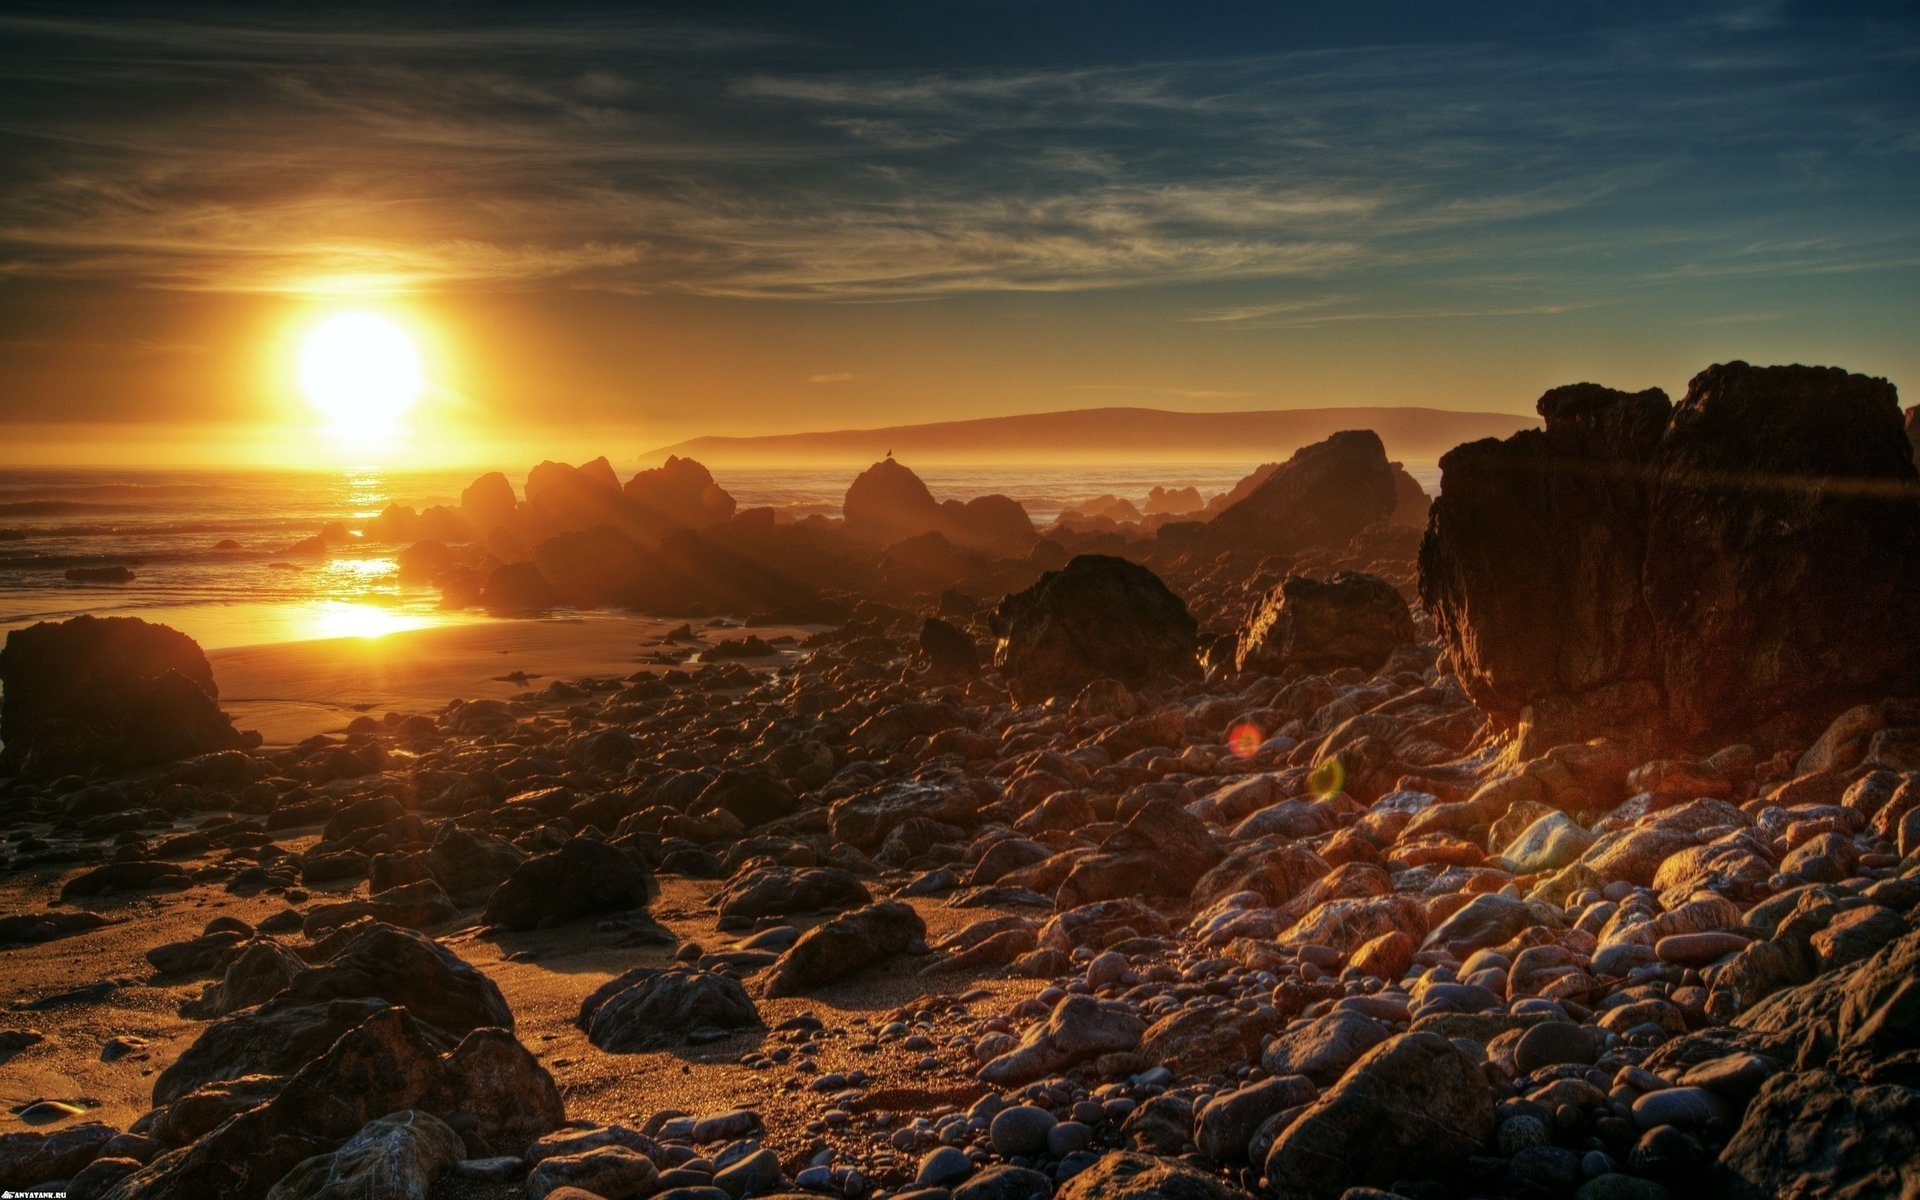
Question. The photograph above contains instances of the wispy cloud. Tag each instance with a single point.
(632, 155)
(833, 377)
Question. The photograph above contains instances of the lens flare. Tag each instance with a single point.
(1328, 778)
(1244, 740)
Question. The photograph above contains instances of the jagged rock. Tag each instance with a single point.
(865, 820)
(1562, 565)
(381, 967)
(887, 503)
(517, 590)
(1225, 1127)
(468, 866)
(844, 945)
(381, 1065)
(1201, 1042)
(1320, 497)
(107, 692)
(31, 1158)
(415, 905)
(582, 878)
(951, 654)
(1079, 1028)
(1410, 501)
(1124, 1175)
(754, 796)
(1352, 620)
(1323, 1050)
(680, 493)
(1413, 1107)
(259, 972)
(782, 891)
(1818, 1134)
(396, 1157)
(1100, 616)
(650, 1009)
(488, 502)
(609, 1172)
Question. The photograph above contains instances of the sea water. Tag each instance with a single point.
(169, 527)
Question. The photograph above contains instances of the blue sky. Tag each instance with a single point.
(953, 209)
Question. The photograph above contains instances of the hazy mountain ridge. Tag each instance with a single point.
(1115, 434)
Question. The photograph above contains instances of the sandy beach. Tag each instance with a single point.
(293, 690)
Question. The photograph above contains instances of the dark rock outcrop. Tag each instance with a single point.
(679, 494)
(1351, 620)
(1100, 616)
(1717, 570)
(887, 504)
(113, 692)
(1321, 497)
(1413, 1107)
(582, 878)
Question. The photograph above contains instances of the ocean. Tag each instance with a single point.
(169, 527)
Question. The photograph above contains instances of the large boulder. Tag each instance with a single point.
(1415, 1107)
(1321, 497)
(399, 1155)
(379, 968)
(679, 494)
(488, 502)
(489, 1084)
(113, 692)
(583, 878)
(562, 497)
(888, 503)
(1351, 620)
(1100, 616)
(1817, 1134)
(1710, 572)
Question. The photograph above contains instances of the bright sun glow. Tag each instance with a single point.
(362, 372)
(341, 619)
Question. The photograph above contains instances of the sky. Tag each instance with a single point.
(619, 226)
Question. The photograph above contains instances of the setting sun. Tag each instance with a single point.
(362, 372)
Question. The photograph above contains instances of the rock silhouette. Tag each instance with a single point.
(112, 692)
(1718, 569)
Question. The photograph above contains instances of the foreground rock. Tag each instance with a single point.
(583, 878)
(844, 945)
(400, 1155)
(1414, 1107)
(383, 1065)
(1351, 620)
(107, 692)
(1563, 565)
(1099, 617)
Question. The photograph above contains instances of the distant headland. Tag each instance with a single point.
(1112, 434)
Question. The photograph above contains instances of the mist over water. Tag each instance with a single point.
(166, 525)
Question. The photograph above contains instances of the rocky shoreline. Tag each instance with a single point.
(1568, 845)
